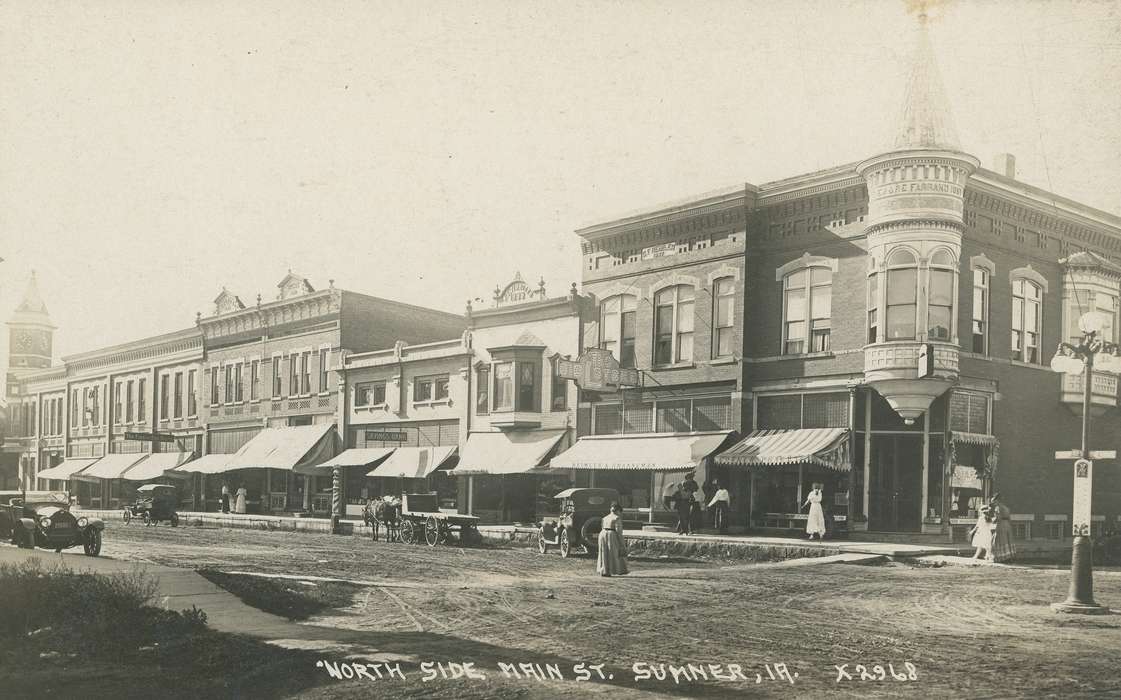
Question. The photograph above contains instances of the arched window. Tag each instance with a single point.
(617, 327)
(1027, 319)
(673, 325)
(902, 295)
(808, 309)
(940, 300)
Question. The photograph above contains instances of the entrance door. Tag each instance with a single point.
(895, 483)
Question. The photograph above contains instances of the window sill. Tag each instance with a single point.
(676, 365)
(806, 355)
(433, 402)
(324, 393)
(723, 361)
(372, 407)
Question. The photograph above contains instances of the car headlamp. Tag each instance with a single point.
(82, 522)
(45, 523)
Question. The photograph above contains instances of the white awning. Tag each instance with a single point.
(154, 466)
(207, 464)
(414, 462)
(664, 452)
(65, 470)
(825, 446)
(516, 452)
(359, 457)
(110, 466)
(289, 448)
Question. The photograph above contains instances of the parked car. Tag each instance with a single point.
(156, 502)
(43, 519)
(580, 520)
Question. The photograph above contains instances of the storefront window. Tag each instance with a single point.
(633, 486)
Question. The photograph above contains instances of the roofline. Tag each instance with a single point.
(134, 345)
(404, 304)
(704, 199)
(1040, 196)
(531, 306)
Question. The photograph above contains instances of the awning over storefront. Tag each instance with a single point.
(154, 466)
(110, 466)
(207, 464)
(664, 452)
(65, 470)
(974, 438)
(414, 462)
(825, 446)
(295, 448)
(359, 457)
(516, 452)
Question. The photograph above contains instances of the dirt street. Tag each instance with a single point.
(946, 632)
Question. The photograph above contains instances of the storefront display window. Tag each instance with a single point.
(633, 486)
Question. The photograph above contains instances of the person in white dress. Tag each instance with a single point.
(239, 505)
(815, 524)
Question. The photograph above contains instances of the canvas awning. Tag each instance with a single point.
(154, 466)
(665, 452)
(65, 470)
(516, 452)
(111, 466)
(359, 457)
(414, 462)
(825, 446)
(973, 438)
(294, 448)
(207, 464)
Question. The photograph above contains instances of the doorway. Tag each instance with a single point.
(895, 483)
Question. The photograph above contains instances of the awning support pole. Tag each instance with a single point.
(798, 499)
(653, 495)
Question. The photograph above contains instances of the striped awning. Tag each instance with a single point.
(67, 469)
(825, 446)
(359, 457)
(664, 452)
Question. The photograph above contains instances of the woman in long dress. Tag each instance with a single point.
(239, 505)
(815, 524)
(612, 559)
(1003, 549)
(983, 534)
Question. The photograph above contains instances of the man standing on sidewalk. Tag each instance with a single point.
(719, 505)
(685, 505)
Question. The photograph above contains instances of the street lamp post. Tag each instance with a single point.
(1074, 360)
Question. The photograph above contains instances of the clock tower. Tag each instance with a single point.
(30, 333)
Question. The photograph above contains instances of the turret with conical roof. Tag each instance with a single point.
(916, 198)
(30, 331)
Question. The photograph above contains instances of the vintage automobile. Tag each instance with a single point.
(157, 502)
(579, 522)
(43, 519)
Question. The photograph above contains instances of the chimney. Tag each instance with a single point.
(1005, 164)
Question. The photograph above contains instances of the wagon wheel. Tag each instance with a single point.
(565, 545)
(432, 531)
(127, 514)
(175, 520)
(92, 545)
(408, 532)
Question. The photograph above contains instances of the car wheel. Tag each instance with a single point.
(175, 520)
(589, 532)
(542, 545)
(127, 515)
(92, 544)
(565, 545)
(24, 539)
(146, 518)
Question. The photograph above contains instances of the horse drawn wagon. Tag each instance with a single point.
(417, 517)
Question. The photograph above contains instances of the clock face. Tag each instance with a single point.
(23, 341)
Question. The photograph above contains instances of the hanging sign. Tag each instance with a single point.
(383, 436)
(1083, 479)
(597, 370)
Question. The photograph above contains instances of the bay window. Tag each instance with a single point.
(807, 310)
(617, 327)
(902, 296)
(872, 307)
(1027, 319)
(504, 386)
(516, 386)
(940, 299)
(673, 325)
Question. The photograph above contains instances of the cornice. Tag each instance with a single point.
(898, 224)
(276, 313)
(1027, 195)
(670, 211)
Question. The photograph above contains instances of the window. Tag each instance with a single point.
(527, 386)
(95, 406)
(940, 300)
(164, 397)
(178, 410)
(239, 391)
(74, 408)
(214, 386)
(872, 307)
(141, 400)
(504, 386)
(618, 327)
(323, 369)
(369, 394)
(807, 305)
(440, 390)
(192, 407)
(128, 402)
(277, 387)
(118, 409)
(293, 376)
(482, 390)
(255, 380)
(422, 389)
(558, 394)
(902, 295)
(980, 311)
(1083, 300)
(1027, 320)
(673, 325)
(723, 317)
(305, 373)
(228, 373)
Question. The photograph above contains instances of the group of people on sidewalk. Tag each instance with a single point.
(239, 504)
(992, 535)
(689, 500)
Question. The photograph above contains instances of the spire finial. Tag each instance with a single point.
(925, 120)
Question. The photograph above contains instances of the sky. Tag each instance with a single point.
(152, 153)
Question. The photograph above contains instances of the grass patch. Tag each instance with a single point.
(723, 551)
(288, 598)
(88, 635)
